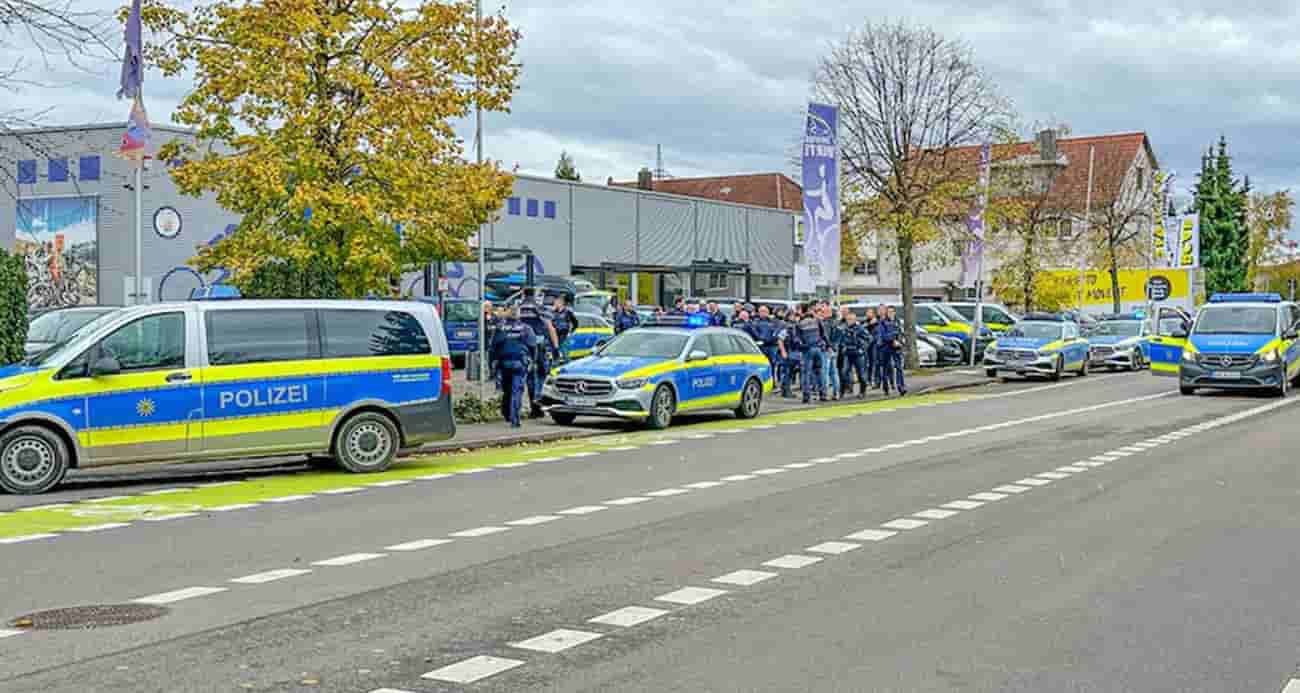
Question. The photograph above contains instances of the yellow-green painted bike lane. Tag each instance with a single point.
(40, 521)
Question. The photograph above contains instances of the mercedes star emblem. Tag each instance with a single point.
(1225, 361)
(580, 386)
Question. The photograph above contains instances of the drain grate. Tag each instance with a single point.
(85, 617)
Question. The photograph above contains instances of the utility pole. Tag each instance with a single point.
(482, 242)
(1087, 224)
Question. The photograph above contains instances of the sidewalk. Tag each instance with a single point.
(499, 433)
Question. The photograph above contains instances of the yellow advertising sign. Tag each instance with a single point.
(1168, 285)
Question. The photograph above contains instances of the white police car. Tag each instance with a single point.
(652, 373)
(1120, 341)
(1040, 344)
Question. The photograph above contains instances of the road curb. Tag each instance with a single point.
(556, 436)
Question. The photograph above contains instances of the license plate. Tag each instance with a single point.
(580, 401)
(1225, 375)
(464, 334)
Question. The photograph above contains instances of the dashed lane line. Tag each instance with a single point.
(629, 616)
(793, 561)
(178, 595)
(557, 640)
(349, 559)
(270, 576)
(744, 578)
(417, 545)
(690, 595)
(479, 532)
(473, 669)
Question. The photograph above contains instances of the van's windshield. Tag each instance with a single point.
(56, 350)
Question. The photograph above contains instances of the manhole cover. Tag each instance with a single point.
(94, 616)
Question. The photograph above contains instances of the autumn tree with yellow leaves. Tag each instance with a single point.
(328, 126)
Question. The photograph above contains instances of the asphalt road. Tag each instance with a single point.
(1163, 562)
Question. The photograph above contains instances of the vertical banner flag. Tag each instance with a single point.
(135, 141)
(972, 261)
(821, 194)
(1189, 241)
(1160, 242)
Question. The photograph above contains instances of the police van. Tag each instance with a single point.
(1237, 342)
(649, 374)
(356, 380)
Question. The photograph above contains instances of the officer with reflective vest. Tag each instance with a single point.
(813, 338)
(537, 317)
(857, 342)
(512, 355)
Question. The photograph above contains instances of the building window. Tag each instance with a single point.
(88, 168)
(512, 206)
(27, 171)
(717, 281)
(771, 281)
(58, 170)
(1142, 178)
(532, 207)
(548, 209)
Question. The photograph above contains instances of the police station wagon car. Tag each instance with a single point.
(357, 380)
(1040, 344)
(650, 374)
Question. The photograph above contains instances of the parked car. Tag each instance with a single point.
(595, 302)
(460, 324)
(994, 316)
(592, 328)
(54, 326)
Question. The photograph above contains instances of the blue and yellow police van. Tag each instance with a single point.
(355, 380)
(1121, 341)
(649, 374)
(591, 330)
(1041, 344)
(1237, 342)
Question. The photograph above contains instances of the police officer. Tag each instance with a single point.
(566, 323)
(537, 316)
(741, 321)
(834, 328)
(765, 331)
(512, 355)
(870, 323)
(812, 336)
(626, 317)
(717, 318)
(791, 352)
(891, 336)
(857, 340)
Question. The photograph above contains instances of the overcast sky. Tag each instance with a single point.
(722, 85)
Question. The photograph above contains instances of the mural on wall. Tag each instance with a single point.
(58, 238)
(179, 282)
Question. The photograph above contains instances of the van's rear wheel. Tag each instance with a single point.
(32, 460)
(366, 442)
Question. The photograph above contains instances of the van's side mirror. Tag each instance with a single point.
(105, 365)
(1179, 333)
(697, 355)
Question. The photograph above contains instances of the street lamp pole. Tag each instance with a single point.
(1087, 225)
(482, 271)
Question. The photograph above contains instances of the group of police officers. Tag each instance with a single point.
(808, 343)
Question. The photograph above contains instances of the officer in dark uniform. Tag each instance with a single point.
(717, 318)
(870, 323)
(891, 337)
(765, 331)
(626, 317)
(857, 340)
(741, 321)
(566, 323)
(791, 352)
(812, 336)
(512, 355)
(537, 317)
(834, 328)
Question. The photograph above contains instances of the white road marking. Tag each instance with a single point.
(629, 616)
(799, 465)
(871, 535)
(729, 430)
(349, 559)
(935, 514)
(768, 472)
(1031, 481)
(8, 633)
(789, 423)
(1120, 453)
(630, 500)
(822, 460)
(534, 520)
(479, 532)
(1089, 463)
(905, 523)
(341, 491)
(1055, 476)
(690, 595)
(986, 496)
(792, 561)
(849, 455)
(99, 528)
(545, 459)
(664, 493)
(744, 578)
(1010, 488)
(165, 491)
(583, 510)
(476, 470)
(704, 484)
(171, 516)
(178, 595)
(584, 454)
(557, 640)
(1104, 458)
(894, 446)
(26, 538)
(763, 427)
(621, 448)
(1147, 444)
(967, 372)
(289, 499)
(219, 484)
(503, 465)
(417, 545)
(228, 508)
(739, 477)
(1132, 448)
(962, 505)
(1071, 469)
(1292, 686)
(49, 506)
(472, 669)
(663, 442)
(833, 548)
(106, 499)
(270, 576)
(701, 436)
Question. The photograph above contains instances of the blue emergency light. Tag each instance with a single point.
(1246, 298)
(688, 320)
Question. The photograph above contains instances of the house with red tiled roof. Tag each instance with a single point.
(1056, 170)
(775, 190)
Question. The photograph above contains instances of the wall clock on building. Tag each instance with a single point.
(167, 222)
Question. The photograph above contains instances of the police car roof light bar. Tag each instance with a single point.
(1246, 298)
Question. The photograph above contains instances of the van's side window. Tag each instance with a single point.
(151, 343)
(258, 336)
(349, 333)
